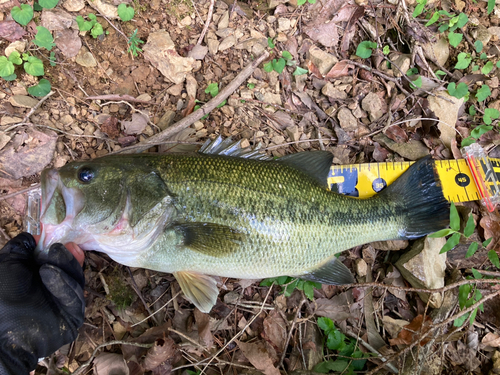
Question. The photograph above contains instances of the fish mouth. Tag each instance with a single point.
(60, 205)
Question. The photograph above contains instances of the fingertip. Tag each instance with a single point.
(74, 249)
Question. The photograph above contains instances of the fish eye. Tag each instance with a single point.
(85, 174)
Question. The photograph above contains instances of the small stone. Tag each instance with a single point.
(18, 46)
(66, 120)
(74, 5)
(4, 139)
(166, 120)
(346, 119)
(372, 104)
(438, 51)
(223, 21)
(482, 34)
(23, 101)
(224, 33)
(402, 62)
(186, 21)
(144, 97)
(272, 98)
(332, 92)
(278, 139)
(284, 24)
(322, 60)
(293, 133)
(198, 125)
(361, 267)
(198, 52)
(85, 58)
(89, 129)
(175, 90)
(227, 43)
(259, 134)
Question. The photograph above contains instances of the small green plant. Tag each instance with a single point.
(291, 284)
(22, 14)
(286, 59)
(302, 2)
(468, 294)
(213, 90)
(92, 25)
(458, 91)
(48, 4)
(455, 233)
(344, 346)
(133, 44)
(386, 50)
(365, 49)
(125, 12)
(44, 38)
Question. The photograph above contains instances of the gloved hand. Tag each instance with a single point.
(41, 303)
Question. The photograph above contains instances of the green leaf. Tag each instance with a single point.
(386, 50)
(463, 60)
(443, 28)
(462, 20)
(212, 89)
(454, 218)
(463, 294)
(326, 324)
(291, 287)
(411, 71)
(434, 19)
(309, 290)
(490, 114)
(84, 25)
(498, 64)
(461, 320)
(493, 257)
(455, 38)
(458, 91)
(268, 67)
(270, 41)
(286, 55)
(301, 2)
(299, 71)
(478, 45)
(325, 367)
(483, 56)
(487, 68)
(451, 243)
(42, 89)
(125, 12)
(419, 8)
(472, 110)
(34, 66)
(473, 316)
(10, 77)
(491, 6)
(335, 340)
(48, 4)
(472, 250)
(52, 59)
(23, 14)
(365, 48)
(467, 141)
(442, 233)
(487, 242)
(15, 58)
(251, 85)
(469, 227)
(96, 30)
(483, 93)
(416, 82)
(475, 67)
(480, 130)
(440, 73)
(279, 65)
(44, 38)
(6, 67)
(476, 274)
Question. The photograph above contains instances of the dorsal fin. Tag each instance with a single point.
(333, 272)
(227, 147)
(315, 164)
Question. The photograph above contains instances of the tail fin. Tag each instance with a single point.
(419, 199)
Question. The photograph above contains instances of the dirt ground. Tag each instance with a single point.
(361, 109)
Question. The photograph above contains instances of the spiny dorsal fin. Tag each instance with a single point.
(333, 272)
(198, 288)
(220, 146)
(315, 164)
(210, 238)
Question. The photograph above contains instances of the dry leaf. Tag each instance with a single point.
(340, 69)
(258, 356)
(110, 127)
(275, 330)
(164, 350)
(203, 324)
(69, 42)
(11, 31)
(335, 308)
(413, 331)
(136, 125)
(397, 134)
(110, 364)
(491, 339)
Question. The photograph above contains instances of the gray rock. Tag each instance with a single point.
(372, 104)
(223, 21)
(322, 60)
(227, 43)
(333, 92)
(224, 33)
(166, 120)
(346, 120)
(198, 52)
(213, 46)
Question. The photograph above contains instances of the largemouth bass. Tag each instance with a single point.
(199, 215)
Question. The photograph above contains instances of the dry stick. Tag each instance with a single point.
(138, 292)
(239, 333)
(7, 196)
(304, 299)
(161, 308)
(436, 326)
(80, 369)
(207, 22)
(197, 115)
(40, 102)
(127, 98)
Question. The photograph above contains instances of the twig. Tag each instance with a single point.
(207, 22)
(127, 98)
(138, 292)
(40, 102)
(240, 332)
(436, 326)
(207, 108)
(80, 369)
(161, 308)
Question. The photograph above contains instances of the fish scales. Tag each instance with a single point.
(198, 215)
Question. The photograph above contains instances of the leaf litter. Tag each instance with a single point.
(361, 110)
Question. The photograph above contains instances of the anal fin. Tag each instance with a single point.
(198, 288)
(333, 272)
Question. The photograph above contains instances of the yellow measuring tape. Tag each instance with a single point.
(474, 178)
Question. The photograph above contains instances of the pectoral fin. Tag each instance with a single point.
(333, 272)
(200, 289)
(210, 239)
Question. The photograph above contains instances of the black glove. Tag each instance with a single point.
(41, 303)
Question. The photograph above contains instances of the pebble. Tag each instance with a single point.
(23, 101)
(85, 58)
(227, 43)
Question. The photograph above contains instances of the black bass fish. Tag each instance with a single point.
(199, 215)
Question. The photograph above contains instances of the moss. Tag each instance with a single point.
(120, 293)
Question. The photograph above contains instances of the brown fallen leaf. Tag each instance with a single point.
(110, 127)
(275, 330)
(110, 364)
(203, 324)
(258, 356)
(491, 225)
(397, 134)
(69, 42)
(136, 125)
(11, 31)
(413, 331)
(163, 352)
(491, 339)
(340, 69)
